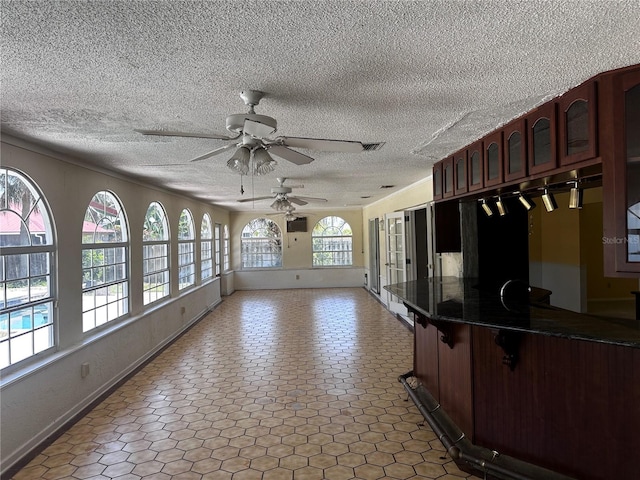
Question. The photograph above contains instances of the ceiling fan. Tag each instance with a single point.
(289, 214)
(282, 201)
(253, 143)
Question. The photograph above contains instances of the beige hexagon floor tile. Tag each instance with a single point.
(259, 402)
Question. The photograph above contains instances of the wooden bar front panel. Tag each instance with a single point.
(568, 405)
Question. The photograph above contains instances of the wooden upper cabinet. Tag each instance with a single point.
(475, 168)
(541, 138)
(515, 150)
(577, 118)
(620, 140)
(447, 178)
(493, 159)
(460, 172)
(437, 181)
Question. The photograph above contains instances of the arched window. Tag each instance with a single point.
(186, 250)
(27, 289)
(206, 253)
(261, 244)
(105, 278)
(225, 250)
(332, 240)
(155, 254)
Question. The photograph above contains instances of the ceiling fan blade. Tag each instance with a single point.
(326, 145)
(310, 199)
(257, 129)
(170, 133)
(297, 201)
(255, 199)
(290, 155)
(213, 152)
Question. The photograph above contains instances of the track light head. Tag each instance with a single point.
(526, 201)
(549, 200)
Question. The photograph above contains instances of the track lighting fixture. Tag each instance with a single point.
(502, 208)
(526, 201)
(575, 196)
(548, 200)
(486, 207)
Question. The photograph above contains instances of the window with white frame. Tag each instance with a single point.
(206, 251)
(155, 254)
(105, 277)
(225, 250)
(27, 289)
(261, 244)
(186, 250)
(332, 242)
(217, 248)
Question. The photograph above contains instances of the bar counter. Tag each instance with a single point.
(545, 386)
(462, 300)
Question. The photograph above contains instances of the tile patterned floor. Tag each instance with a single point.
(293, 384)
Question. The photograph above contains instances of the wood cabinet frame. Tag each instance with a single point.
(494, 138)
(614, 169)
(586, 92)
(518, 126)
(461, 185)
(478, 146)
(437, 181)
(448, 181)
(547, 110)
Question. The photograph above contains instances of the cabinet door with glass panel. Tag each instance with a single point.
(626, 194)
(460, 172)
(493, 159)
(475, 168)
(515, 150)
(437, 181)
(577, 124)
(541, 138)
(447, 178)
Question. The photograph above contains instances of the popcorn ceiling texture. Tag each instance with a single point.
(425, 77)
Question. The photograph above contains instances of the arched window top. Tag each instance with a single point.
(206, 229)
(186, 230)
(332, 242)
(104, 220)
(260, 228)
(24, 216)
(155, 226)
(332, 226)
(261, 244)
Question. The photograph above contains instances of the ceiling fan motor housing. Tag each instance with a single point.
(235, 123)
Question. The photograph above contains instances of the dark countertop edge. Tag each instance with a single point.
(584, 336)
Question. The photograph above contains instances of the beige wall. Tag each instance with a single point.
(418, 194)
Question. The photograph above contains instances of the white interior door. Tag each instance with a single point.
(396, 258)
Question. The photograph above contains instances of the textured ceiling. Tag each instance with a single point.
(426, 78)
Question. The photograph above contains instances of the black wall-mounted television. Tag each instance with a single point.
(297, 225)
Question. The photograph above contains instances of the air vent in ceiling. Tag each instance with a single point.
(386, 186)
(371, 147)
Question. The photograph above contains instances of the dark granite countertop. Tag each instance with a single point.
(461, 300)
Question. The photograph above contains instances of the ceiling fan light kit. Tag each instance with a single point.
(254, 130)
(239, 162)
